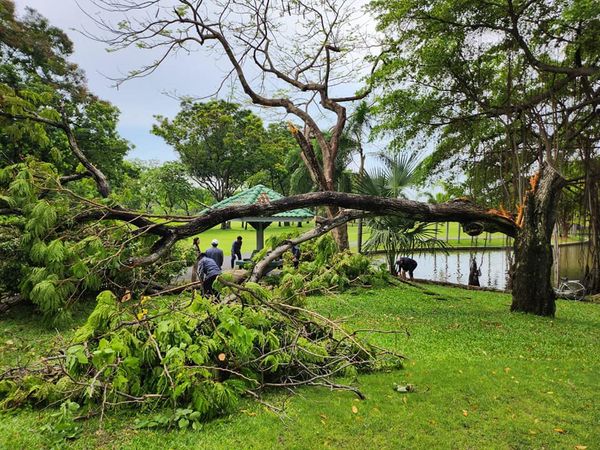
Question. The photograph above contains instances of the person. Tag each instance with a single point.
(295, 252)
(208, 271)
(404, 265)
(195, 267)
(236, 251)
(474, 273)
(215, 253)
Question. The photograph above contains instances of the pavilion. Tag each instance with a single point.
(262, 195)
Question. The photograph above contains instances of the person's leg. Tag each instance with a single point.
(208, 287)
(232, 260)
(412, 269)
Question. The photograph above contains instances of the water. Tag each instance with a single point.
(453, 267)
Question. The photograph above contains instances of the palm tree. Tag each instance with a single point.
(395, 235)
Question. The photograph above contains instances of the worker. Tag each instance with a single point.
(215, 253)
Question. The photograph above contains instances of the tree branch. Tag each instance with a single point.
(324, 226)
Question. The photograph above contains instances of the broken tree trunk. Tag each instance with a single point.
(532, 290)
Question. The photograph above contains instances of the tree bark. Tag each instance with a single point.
(592, 275)
(532, 290)
(340, 234)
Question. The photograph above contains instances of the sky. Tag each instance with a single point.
(139, 100)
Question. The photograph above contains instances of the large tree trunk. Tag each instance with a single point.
(359, 235)
(532, 290)
(592, 197)
(340, 234)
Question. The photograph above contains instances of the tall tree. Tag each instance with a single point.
(276, 152)
(395, 235)
(37, 79)
(294, 56)
(509, 83)
(219, 143)
(359, 126)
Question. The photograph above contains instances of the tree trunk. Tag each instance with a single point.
(360, 234)
(340, 234)
(532, 290)
(592, 276)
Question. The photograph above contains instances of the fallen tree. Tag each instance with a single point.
(532, 231)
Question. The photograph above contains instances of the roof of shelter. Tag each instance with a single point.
(261, 195)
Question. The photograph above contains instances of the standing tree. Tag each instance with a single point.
(513, 84)
(275, 152)
(294, 56)
(218, 142)
(39, 86)
(358, 126)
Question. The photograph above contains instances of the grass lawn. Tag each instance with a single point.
(485, 379)
(226, 237)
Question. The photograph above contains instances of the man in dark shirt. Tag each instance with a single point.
(404, 265)
(215, 253)
(208, 271)
(295, 255)
(236, 251)
(296, 252)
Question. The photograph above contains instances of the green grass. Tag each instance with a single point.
(486, 378)
(226, 237)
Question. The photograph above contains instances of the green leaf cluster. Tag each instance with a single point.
(195, 357)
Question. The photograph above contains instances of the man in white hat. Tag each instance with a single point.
(215, 253)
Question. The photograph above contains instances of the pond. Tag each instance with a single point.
(453, 267)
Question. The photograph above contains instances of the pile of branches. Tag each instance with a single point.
(197, 356)
(322, 268)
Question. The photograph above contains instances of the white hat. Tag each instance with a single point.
(215, 242)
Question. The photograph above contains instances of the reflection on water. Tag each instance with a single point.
(494, 264)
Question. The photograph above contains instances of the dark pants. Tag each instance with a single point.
(407, 268)
(207, 285)
(239, 256)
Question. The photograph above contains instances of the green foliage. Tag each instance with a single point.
(323, 268)
(62, 425)
(160, 189)
(53, 265)
(196, 356)
(38, 80)
(468, 79)
(217, 141)
(395, 235)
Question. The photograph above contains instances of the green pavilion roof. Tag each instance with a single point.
(261, 195)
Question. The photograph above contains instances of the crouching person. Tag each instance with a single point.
(208, 271)
(406, 265)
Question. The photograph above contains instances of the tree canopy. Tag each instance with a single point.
(219, 143)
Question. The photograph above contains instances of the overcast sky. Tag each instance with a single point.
(197, 75)
(139, 100)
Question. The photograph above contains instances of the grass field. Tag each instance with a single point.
(485, 379)
(455, 239)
